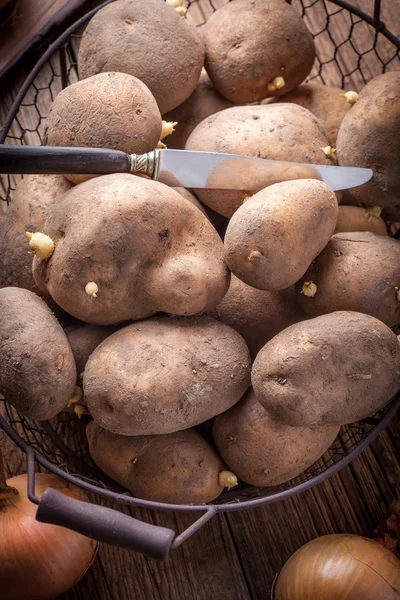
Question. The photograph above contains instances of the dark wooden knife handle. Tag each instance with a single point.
(62, 161)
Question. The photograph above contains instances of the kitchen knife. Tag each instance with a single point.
(178, 168)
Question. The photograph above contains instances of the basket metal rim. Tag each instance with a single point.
(222, 507)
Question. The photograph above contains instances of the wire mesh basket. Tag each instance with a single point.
(352, 47)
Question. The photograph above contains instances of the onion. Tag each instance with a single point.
(38, 561)
(340, 567)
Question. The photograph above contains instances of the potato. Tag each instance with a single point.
(273, 237)
(325, 102)
(83, 340)
(355, 218)
(37, 368)
(165, 374)
(257, 315)
(108, 110)
(357, 271)
(263, 451)
(331, 370)
(369, 136)
(178, 468)
(255, 49)
(148, 40)
(203, 102)
(279, 131)
(126, 248)
(27, 212)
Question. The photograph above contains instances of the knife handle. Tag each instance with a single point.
(64, 161)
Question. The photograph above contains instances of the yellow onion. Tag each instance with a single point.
(38, 561)
(340, 567)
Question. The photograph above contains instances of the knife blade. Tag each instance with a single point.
(178, 168)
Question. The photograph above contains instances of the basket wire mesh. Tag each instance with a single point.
(356, 47)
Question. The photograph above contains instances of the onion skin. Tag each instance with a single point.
(38, 561)
(340, 567)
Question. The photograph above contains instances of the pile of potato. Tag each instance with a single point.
(207, 336)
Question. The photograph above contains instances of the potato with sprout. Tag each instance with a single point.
(284, 132)
(165, 374)
(108, 110)
(126, 248)
(37, 368)
(83, 340)
(26, 213)
(327, 103)
(264, 451)
(369, 136)
(357, 271)
(356, 218)
(274, 236)
(179, 468)
(148, 40)
(257, 49)
(331, 370)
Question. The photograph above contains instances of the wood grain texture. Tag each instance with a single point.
(236, 556)
(28, 21)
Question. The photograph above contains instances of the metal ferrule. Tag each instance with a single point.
(144, 164)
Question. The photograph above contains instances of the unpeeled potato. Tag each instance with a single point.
(257, 315)
(179, 468)
(274, 236)
(355, 218)
(108, 110)
(148, 40)
(250, 44)
(264, 451)
(27, 212)
(357, 271)
(369, 136)
(284, 132)
(331, 370)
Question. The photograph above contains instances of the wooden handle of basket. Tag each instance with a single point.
(104, 524)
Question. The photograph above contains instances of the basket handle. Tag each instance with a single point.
(104, 524)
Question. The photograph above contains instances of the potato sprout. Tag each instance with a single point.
(328, 151)
(351, 97)
(227, 479)
(79, 410)
(255, 255)
(309, 289)
(373, 211)
(77, 397)
(91, 289)
(181, 11)
(168, 127)
(276, 84)
(175, 3)
(41, 244)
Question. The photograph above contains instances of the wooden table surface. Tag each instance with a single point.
(236, 556)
